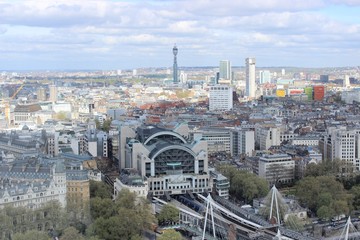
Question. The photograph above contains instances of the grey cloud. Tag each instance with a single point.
(46, 14)
(201, 28)
(244, 7)
(346, 2)
(3, 30)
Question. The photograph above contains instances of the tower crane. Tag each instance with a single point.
(6, 102)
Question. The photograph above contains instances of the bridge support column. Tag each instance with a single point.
(232, 232)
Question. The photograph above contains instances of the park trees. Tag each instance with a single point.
(31, 235)
(170, 234)
(100, 189)
(20, 219)
(323, 195)
(125, 218)
(244, 186)
(355, 191)
(105, 126)
(71, 233)
(168, 213)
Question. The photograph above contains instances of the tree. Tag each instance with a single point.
(71, 233)
(78, 214)
(244, 186)
(170, 234)
(329, 168)
(102, 207)
(325, 212)
(100, 189)
(323, 195)
(31, 235)
(355, 191)
(97, 124)
(125, 219)
(168, 213)
(183, 93)
(105, 126)
(21, 219)
(61, 116)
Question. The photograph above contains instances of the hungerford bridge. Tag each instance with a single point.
(222, 219)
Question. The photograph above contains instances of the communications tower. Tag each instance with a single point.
(175, 67)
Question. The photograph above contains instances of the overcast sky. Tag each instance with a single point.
(105, 34)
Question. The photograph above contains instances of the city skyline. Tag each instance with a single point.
(126, 34)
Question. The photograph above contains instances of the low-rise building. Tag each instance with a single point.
(30, 185)
(221, 184)
(277, 168)
(305, 141)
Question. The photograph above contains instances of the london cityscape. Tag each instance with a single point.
(178, 120)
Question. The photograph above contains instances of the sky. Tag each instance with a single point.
(126, 34)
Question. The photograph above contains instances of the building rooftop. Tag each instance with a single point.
(27, 108)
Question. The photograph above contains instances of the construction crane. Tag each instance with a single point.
(17, 91)
(6, 102)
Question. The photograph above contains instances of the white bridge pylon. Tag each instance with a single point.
(349, 231)
(274, 198)
(211, 204)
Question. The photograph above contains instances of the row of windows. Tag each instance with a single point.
(29, 196)
(75, 189)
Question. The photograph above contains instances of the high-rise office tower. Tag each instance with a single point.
(220, 98)
(53, 93)
(324, 78)
(225, 70)
(134, 72)
(175, 67)
(183, 77)
(41, 94)
(265, 77)
(346, 82)
(250, 77)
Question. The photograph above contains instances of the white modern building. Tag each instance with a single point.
(346, 147)
(287, 136)
(53, 93)
(343, 144)
(62, 107)
(250, 77)
(244, 144)
(233, 141)
(350, 96)
(267, 137)
(346, 81)
(305, 141)
(220, 98)
(277, 168)
(218, 139)
(221, 184)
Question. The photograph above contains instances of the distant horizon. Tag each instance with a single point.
(180, 67)
(126, 34)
